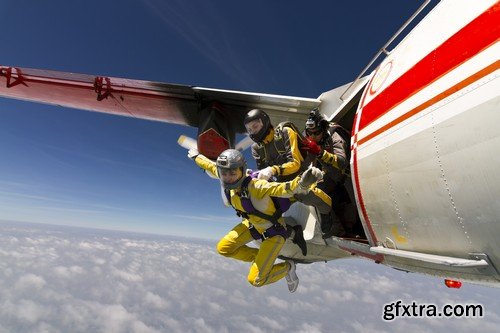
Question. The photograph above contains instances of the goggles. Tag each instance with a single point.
(310, 123)
(254, 126)
(313, 133)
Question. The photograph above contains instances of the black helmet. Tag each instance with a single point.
(316, 121)
(231, 159)
(261, 133)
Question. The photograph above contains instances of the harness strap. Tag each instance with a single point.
(274, 230)
(278, 143)
(250, 209)
(271, 218)
(280, 204)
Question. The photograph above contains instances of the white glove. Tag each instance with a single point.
(266, 173)
(192, 153)
(309, 177)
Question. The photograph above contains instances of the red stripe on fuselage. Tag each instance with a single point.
(463, 45)
(457, 87)
(371, 233)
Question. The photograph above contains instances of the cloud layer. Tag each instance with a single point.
(57, 279)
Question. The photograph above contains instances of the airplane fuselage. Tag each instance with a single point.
(425, 147)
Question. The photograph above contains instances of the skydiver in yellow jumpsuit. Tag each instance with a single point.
(277, 154)
(231, 169)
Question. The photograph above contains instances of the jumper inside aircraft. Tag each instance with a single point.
(427, 198)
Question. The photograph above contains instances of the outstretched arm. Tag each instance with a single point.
(203, 162)
(301, 184)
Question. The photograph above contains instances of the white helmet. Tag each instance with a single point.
(228, 160)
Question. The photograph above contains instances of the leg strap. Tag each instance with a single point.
(274, 230)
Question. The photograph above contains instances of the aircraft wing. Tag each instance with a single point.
(171, 103)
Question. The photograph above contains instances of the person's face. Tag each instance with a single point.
(230, 176)
(254, 126)
(316, 134)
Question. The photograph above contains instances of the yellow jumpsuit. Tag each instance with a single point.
(263, 270)
(287, 165)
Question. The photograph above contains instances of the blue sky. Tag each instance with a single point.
(80, 168)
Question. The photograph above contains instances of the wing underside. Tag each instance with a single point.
(171, 103)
